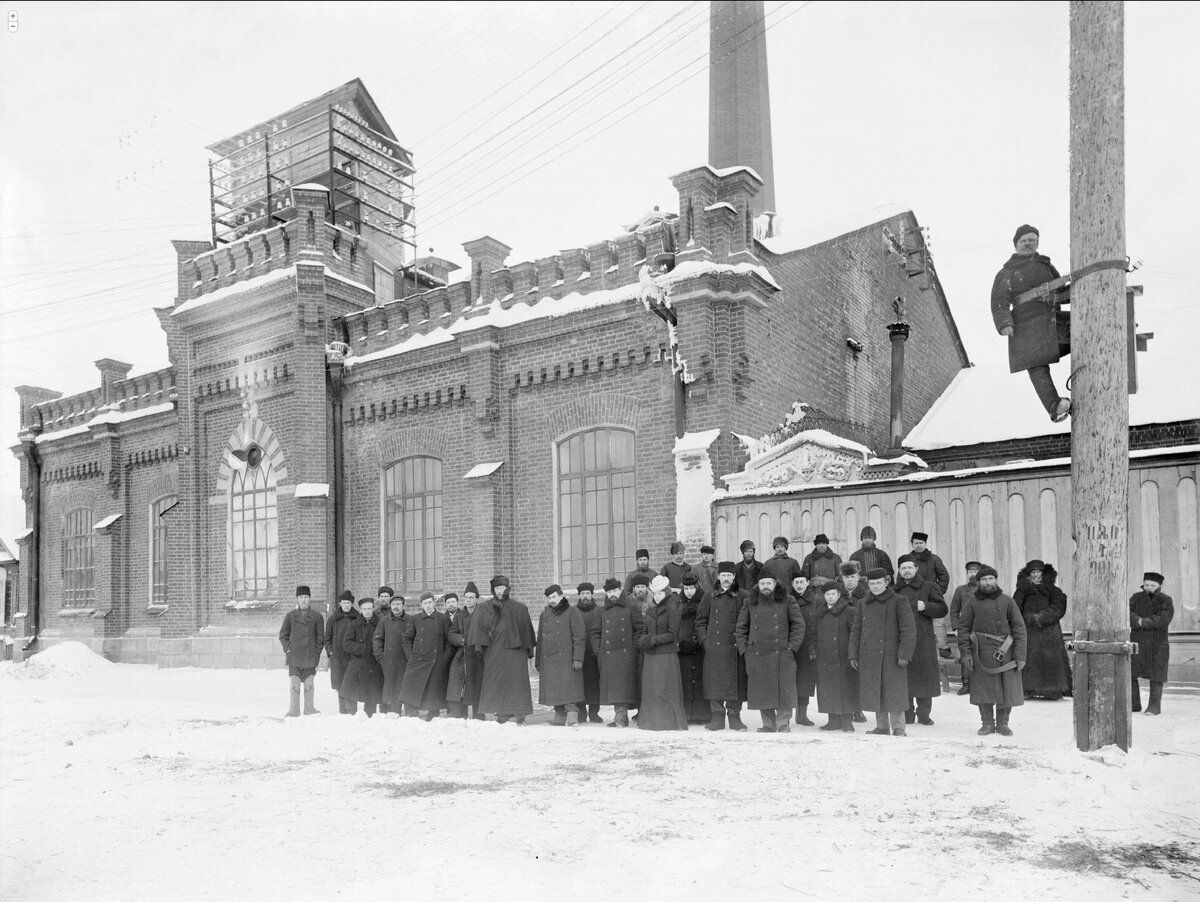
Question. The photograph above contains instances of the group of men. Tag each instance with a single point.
(691, 644)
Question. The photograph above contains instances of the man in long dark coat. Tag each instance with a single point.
(614, 639)
(505, 691)
(1037, 335)
(336, 627)
(1150, 615)
(882, 641)
(960, 595)
(837, 681)
(855, 589)
(586, 603)
(929, 565)
(924, 672)
(706, 570)
(561, 639)
(782, 567)
(770, 631)
(992, 636)
(724, 668)
(642, 559)
(1043, 605)
(821, 565)
(302, 636)
(466, 667)
(676, 568)
(387, 644)
(425, 642)
(364, 677)
(870, 556)
(746, 578)
(807, 602)
(691, 653)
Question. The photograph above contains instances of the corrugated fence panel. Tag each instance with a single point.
(1187, 588)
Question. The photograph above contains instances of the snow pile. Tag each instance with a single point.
(66, 659)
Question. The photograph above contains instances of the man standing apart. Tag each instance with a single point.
(302, 637)
(882, 641)
(1150, 613)
(991, 634)
(724, 667)
(561, 639)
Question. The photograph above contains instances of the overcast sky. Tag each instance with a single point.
(550, 125)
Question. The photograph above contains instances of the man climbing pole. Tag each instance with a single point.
(1038, 333)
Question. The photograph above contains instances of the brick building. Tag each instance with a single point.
(338, 415)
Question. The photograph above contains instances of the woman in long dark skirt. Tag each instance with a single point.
(662, 688)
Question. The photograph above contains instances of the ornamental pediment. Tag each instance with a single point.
(814, 457)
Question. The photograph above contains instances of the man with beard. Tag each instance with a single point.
(425, 677)
(614, 639)
(882, 641)
(929, 565)
(466, 667)
(746, 578)
(388, 646)
(856, 592)
(869, 556)
(691, 655)
(822, 564)
(991, 635)
(662, 693)
(782, 567)
(1150, 614)
(807, 601)
(585, 602)
(924, 674)
(770, 632)
(505, 691)
(1043, 605)
(302, 636)
(724, 668)
(956, 603)
(559, 658)
(706, 570)
(336, 627)
(642, 557)
(364, 677)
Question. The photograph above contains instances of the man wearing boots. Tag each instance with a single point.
(614, 639)
(336, 627)
(559, 656)
(854, 587)
(956, 603)
(387, 645)
(723, 667)
(589, 711)
(466, 667)
(302, 637)
(924, 674)
(882, 641)
(1150, 614)
(992, 637)
(770, 632)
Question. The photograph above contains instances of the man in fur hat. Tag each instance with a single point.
(748, 569)
(1043, 605)
(929, 565)
(882, 641)
(1150, 614)
(614, 639)
(821, 565)
(302, 636)
(991, 634)
(561, 639)
(589, 711)
(505, 690)
(724, 668)
(336, 627)
(1038, 335)
(870, 556)
(642, 557)
(781, 566)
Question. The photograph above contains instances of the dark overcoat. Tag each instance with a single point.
(339, 623)
(388, 647)
(960, 596)
(302, 636)
(691, 659)
(822, 568)
(870, 558)
(784, 569)
(505, 689)
(931, 569)
(1040, 335)
(883, 634)
(706, 576)
(724, 666)
(746, 575)
(591, 664)
(769, 633)
(924, 674)
(466, 667)
(426, 640)
(614, 639)
(983, 618)
(837, 681)
(806, 658)
(1154, 648)
(637, 571)
(561, 639)
(1048, 668)
(364, 677)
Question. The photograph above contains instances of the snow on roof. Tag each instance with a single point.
(106, 522)
(312, 490)
(696, 441)
(903, 459)
(7, 553)
(337, 277)
(827, 231)
(719, 204)
(109, 414)
(311, 186)
(691, 268)
(277, 275)
(730, 170)
(817, 437)
(987, 403)
(480, 470)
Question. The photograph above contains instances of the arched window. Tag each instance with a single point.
(254, 530)
(597, 504)
(78, 560)
(412, 515)
(158, 548)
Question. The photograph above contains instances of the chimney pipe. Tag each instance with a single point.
(898, 333)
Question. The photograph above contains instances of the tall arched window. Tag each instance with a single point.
(254, 530)
(158, 548)
(412, 515)
(597, 505)
(78, 560)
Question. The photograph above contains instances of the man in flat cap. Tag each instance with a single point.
(1150, 614)
(302, 636)
(561, 638)
(1038, 335)
(991, 634)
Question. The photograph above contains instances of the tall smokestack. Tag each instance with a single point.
(739, 103)
(898, 333)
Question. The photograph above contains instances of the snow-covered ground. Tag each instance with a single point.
(122, 781)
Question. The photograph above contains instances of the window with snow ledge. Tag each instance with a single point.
(78, 560)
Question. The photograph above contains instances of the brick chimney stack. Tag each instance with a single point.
(111, 372)
(487, 255)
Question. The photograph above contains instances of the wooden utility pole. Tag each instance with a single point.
(1100, 401)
